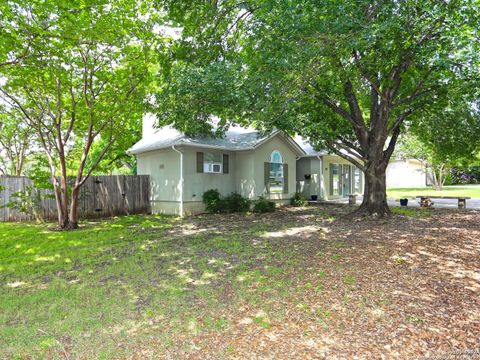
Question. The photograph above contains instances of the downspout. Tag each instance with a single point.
(297, 186)
(181, 179)
(320, 177)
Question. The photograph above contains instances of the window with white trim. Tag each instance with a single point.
(357, 180)
(335, 179)
(212, 163)
(276, 177)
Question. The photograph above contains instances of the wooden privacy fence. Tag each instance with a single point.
(100, 196)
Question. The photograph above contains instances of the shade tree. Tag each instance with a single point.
(349, 75)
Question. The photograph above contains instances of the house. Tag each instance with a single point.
(182, 168)
(407, 173)
(325, 176)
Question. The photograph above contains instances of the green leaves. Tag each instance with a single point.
(447, 135)
(86, 74)
(286, 59)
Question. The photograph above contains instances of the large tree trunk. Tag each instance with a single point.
(67, 212)
(64, 204)
(375, 191)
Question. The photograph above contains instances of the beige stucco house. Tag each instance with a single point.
(182, 168)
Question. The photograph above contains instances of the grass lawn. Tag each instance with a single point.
(472, 191)
(305, 282)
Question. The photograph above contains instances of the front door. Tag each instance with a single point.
(346, 180)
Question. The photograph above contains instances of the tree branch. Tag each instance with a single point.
(353, 160)
(352, 146)
(373, 83)
(72, 116)
(100, 157)
(395, 130)
(353, 104)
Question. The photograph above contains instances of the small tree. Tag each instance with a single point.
(444, 137)
(16, 139)
(86, 89)
(411, 147)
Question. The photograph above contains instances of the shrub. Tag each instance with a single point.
(212, 200)
(236, 203)
(27, 201)
(470, 175)
(263, 205)
(215, 203)
(298, 199)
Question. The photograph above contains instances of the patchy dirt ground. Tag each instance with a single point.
(404, 287)
(308, 283)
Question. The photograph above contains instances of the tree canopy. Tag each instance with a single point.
(348, 75)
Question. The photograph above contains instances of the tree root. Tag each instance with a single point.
(365, 211)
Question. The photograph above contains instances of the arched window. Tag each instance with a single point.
(276, 157)
(276, 173)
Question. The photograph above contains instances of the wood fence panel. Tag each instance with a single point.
(109, 198)
(12, 185)
(48, 205)
(130, 203)
(145, 205)
(100, 196)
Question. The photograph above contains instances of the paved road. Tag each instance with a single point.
(438, 203)
(441, 203)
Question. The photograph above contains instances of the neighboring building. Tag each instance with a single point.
(182, 168)
(325, 176)
(406, 173)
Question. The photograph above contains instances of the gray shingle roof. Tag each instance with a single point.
(308, 148)
(235, 139)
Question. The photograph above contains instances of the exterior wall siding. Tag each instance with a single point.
(312, 186)
(197, 183)
(246, 183)
(166, 207)
(405, 174)
(163, 166)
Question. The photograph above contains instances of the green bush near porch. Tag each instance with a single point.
(232, 203)
(299, 199)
